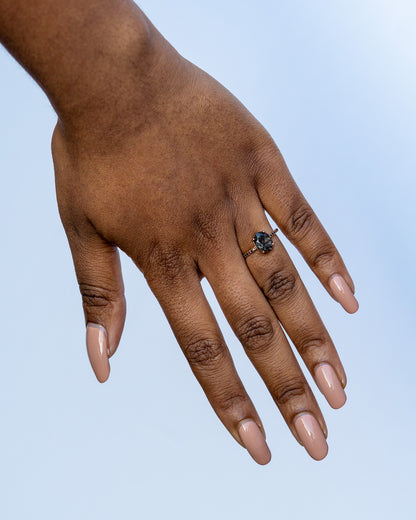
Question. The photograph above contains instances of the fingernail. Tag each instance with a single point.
(311, 436)
(254, 441)
(343, 293)
(329, 384)
(97, 351)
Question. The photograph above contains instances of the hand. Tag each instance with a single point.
(175, 172)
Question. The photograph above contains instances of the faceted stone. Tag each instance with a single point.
(263, 242)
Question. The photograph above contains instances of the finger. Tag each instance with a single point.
(265, 343)
(200, 339)
(98, 270)
(300, 224)
(280, 282)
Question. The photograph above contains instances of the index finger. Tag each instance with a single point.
(283, 200)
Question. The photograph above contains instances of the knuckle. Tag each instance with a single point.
(264, 155)
(323, 258)
(202, 352)
(288, 391)
(311, 343)
(256, 333)
(279, 286)
(300, 221)
(230, 402)
(94, 296)
(207, 225)
(164, 262)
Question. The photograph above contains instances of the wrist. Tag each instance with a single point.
(108, 74)
(117, 97)
(86, 56)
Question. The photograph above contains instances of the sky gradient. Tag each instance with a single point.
(334, 83)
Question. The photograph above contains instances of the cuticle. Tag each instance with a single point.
(324, 430)
(97, 326)
(332, 275)
(322, 363)
(243, 421)
(294, 426)
(299, 414)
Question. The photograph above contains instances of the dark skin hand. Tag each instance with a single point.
(154, 157)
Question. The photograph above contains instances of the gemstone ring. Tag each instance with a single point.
(262, 242)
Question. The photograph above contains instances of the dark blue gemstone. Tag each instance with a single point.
(263, 242)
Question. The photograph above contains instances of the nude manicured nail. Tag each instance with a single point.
(311, 436)
(97, 351)
(329, 384)
(343, 293)
(254, 441)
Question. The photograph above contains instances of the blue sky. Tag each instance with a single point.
(334, 84)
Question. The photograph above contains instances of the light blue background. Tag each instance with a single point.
(334, 83)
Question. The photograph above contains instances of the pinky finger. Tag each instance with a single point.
(98, 270)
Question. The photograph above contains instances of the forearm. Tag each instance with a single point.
(77, 50)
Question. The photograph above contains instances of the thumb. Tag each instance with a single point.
(98, 270)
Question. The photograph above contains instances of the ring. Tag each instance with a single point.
(262, 242)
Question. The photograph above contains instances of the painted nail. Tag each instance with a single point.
(329, 384)
(343, 293)
(311, 436)
(254, 441)
(97, 351)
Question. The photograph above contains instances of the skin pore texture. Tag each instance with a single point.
(154, 157)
